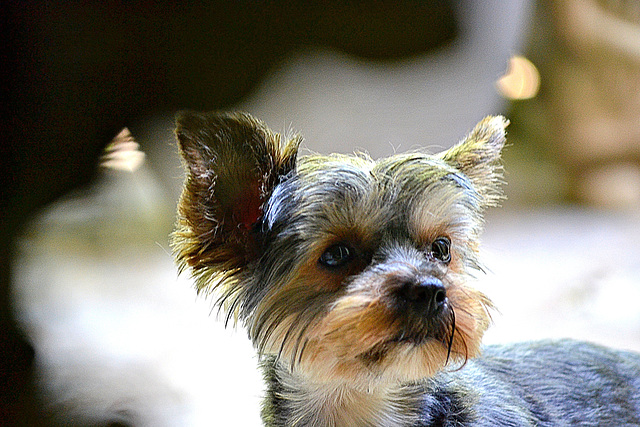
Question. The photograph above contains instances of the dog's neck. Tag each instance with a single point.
(322, 404)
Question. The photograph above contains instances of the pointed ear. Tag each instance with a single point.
(478, 157)
(232, 164)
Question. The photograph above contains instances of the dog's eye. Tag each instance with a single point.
(337, 255)
(441, 249)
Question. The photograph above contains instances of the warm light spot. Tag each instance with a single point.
(123, 153)
(521, 81)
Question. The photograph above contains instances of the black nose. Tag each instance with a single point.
(427, 295)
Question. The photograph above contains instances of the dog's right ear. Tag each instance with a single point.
(232, 163)
(478, 157)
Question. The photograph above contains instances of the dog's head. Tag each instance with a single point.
(343, 267)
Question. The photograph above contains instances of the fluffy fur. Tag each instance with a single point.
(350, 276)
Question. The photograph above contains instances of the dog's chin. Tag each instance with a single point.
(413, 358)
(395, 361)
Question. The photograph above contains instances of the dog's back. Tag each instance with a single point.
(551, 383)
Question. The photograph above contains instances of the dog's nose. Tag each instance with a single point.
(425, 295)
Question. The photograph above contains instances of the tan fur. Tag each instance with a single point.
(337, 405)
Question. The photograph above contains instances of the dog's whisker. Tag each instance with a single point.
(452, 324)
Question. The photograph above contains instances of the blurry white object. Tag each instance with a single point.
(119, 337)
(340, 103)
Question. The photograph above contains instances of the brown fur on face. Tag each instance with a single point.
(262, 229)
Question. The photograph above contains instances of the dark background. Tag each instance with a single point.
(73, 75)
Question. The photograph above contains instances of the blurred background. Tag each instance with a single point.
(98, 328)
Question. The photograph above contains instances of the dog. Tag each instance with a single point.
(351, 277)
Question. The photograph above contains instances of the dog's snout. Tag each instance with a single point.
(429, 294)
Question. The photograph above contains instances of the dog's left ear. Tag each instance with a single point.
(232, 163)
(478, 157)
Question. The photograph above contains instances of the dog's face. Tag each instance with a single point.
(345, 268)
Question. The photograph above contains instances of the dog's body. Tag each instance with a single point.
(548, 383)
(351, 278)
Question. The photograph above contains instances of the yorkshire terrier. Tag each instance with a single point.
(350, 276)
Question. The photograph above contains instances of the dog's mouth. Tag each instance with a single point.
(418, 339)
(410, 338)
(439, 330)
(418, 330)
